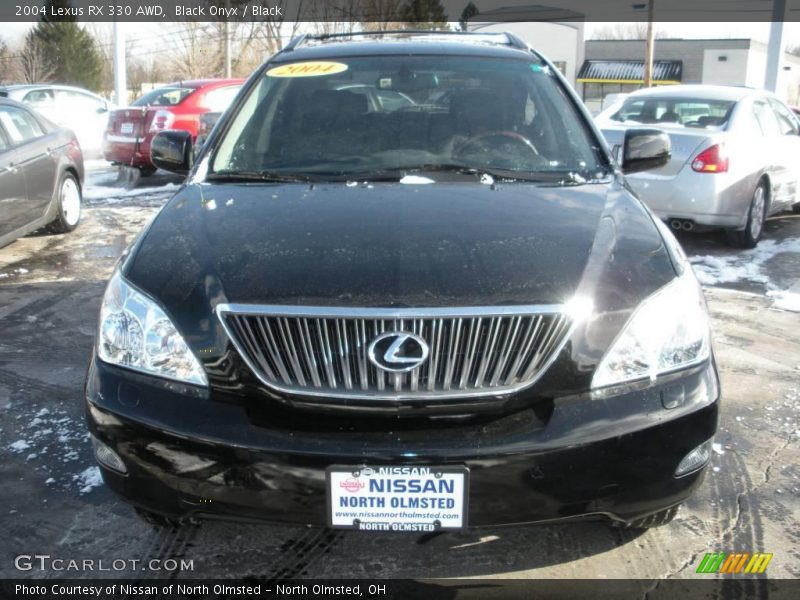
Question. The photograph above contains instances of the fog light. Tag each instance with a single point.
(695, 459)
(107, 457)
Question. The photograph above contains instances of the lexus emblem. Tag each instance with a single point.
(398, 351)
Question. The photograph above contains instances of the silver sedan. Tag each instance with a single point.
(735, 156)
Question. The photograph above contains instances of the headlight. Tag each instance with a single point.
(135, 333)
(668, 331)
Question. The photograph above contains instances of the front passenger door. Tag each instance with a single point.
(13, 214)
(36, 156)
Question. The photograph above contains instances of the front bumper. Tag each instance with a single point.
(208, 454)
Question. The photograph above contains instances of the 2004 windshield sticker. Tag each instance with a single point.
(307, 69)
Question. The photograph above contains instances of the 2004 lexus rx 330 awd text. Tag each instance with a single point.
(405, 287)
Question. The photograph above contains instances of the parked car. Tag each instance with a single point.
(176, 106)
(41, 171)
(734, 156)
(410, 320)
(77, 109)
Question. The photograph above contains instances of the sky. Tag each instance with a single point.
(14, 32)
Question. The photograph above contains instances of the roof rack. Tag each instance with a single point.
(510, 38)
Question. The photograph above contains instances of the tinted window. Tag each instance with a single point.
(165, 96)
(39, 98)
(688, 112)
(480, 113)
(19, 124)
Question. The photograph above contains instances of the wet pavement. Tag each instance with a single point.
(53, 503)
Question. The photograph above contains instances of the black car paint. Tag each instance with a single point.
(552, 451)
(396, 245)
(29, 175)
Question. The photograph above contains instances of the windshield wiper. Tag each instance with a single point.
(397, 173)
(266, 176)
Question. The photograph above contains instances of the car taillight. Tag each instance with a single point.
(713, 159)
(162, 119)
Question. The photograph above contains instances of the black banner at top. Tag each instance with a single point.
(405, 12)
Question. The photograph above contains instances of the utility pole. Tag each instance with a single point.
(775, 46)
(119, 66)
(648, 46)
(227, 34)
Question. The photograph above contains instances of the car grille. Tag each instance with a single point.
(317, 351)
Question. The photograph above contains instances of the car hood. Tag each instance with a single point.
(395, 245)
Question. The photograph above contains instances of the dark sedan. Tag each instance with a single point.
(41, 170)
(405, 317)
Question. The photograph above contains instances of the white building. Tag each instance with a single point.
(556, 33)
(617, 66)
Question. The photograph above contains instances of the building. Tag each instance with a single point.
(556, 33)
(617, 66)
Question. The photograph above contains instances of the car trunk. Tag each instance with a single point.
(686, 144)
(130, 122)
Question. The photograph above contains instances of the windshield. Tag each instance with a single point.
(164, 96)
(686, 112)
(387, 115)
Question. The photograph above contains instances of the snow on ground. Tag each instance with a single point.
(785, 300)
(88, 479)
(751, 266)
(52, 442)
(103, 185)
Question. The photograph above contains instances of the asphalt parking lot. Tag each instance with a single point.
(54, 502)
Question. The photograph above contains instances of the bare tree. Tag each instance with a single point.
(624, 31)
(33, 63)
(192, 56)
(382, 15)
(6, 62)
(326, 17)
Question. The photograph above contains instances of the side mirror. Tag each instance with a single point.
(171, 150)
(102, 109)
(645, 149)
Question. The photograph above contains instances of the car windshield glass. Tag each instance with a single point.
(164, 96)
(381, 117)
(686, 112)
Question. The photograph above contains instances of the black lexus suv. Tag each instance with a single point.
(405, 287)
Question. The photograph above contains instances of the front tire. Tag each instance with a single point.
(147, 171)
(756, 215)
(68, 213)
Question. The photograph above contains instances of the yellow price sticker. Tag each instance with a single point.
(307, 69)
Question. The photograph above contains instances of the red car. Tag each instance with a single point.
(174, 106)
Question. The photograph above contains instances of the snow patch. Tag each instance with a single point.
(416, 179)
(746, 264)
(19, 446)
(785, 300)
(88, 479)
(112, 195)
(749, 265)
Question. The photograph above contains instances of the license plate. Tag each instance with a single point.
(397, 498)
(126, 128)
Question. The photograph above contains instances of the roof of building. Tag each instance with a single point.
(629, 71)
